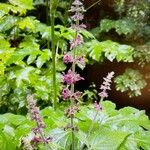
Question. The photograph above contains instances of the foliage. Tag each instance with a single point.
(121, 26)
(25, 56)
(131, 81)
(143, 54)
(127, 128)
(110, 50)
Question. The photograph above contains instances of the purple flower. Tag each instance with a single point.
(77, 3)
(66, 93)
(67, 58)
(106, 85)
(97, 106)
(80, 60)
(78, 27)
(35, 112)
(77, 9)
(76, 95)
(77, 16)
(71, 77)
(75, 42)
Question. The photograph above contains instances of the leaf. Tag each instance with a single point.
(27, 23)
(111, 50)
(28, 47)
(106, 139)
(24, 4)
(9, 130)
(6, 8)
(130, 81)
(43, 58)
(7, 22)
(122, 26)
(23, 75)
(61, 137)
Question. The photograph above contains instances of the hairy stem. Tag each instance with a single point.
(72, 104)
(53, 58)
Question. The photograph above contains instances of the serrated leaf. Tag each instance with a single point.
(105, 139)
(43, 58)
(24, 4)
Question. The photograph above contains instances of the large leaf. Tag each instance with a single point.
(29, 47)
(122, 26)
(5, 53)
(111, 50)
(130, 81)
(24, 4)
(106, 139)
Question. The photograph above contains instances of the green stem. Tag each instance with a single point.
(93, 5)
(72, 104)
(53, 58)
(92, 125)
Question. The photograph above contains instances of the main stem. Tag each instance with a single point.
(72, 104)
(53, 58)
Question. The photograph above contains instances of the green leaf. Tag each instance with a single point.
(9, 130)
(43, 58)
(122, 26)
(24, 4)
(7, 22)
(111, 50)
(28, 47)
(62, 138)
(27, 23)
(106, 139)
(131, 81)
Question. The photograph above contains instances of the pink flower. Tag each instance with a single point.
(71, 77)
(77, 3)
(67, 58)
(78, 10)
(77, 16)
(106, 85)
(76, 95)
(75, 42)
(97, 106)
(80, 60)
(35, 112)
(66, 93)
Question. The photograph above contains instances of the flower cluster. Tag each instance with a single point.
(78, 10)
(106, 85)
(80, 61)
(67, 94)
(71, 111)
(35, 115)
(71, 77)
(97, 106)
